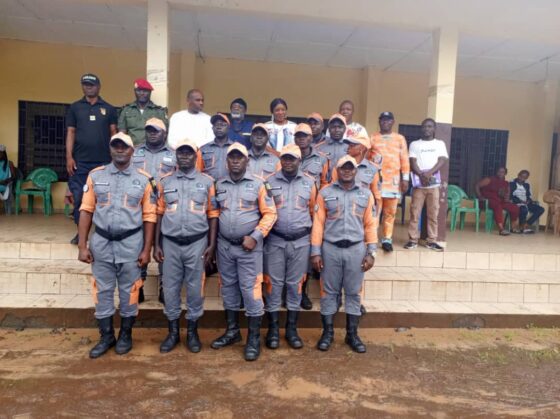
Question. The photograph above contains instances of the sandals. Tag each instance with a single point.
(504, 233)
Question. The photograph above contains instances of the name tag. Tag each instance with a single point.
(92, 117)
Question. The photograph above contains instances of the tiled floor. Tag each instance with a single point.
(37, 228)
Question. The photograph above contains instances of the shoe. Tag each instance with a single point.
(306, 303)
(292, 336)
(326, 339)
(528, 231)
(434, 246)
(141, 297)
(193, 341)
(411, 245)
(173, 338)
(232, 334)
(504, 233)
(352, 339)
(253, 345)
(124, 342)
(272, 340)
(388, 247)
(107, 340)
(75, 240)
(517, 231)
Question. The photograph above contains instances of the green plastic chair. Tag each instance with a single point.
(41, 179)
(455, 198)
(489, 218)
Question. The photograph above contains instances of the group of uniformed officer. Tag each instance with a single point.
(268, 219)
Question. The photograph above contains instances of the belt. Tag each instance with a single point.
(344, 244)
(235, 242)
(116, 237)
(292, 237)
(183, 241)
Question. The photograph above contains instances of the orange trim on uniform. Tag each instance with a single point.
(94, 291)
(370, 223)
(88, 199)
(324, 175)
(267, 284)
(212, 211)
(301, 282)
(149, 208)
(160, 206)
(318, 229)
(199, 165)
(268, 212)
(203, 284)
(322, 290)
(135, 291)
(257, 288)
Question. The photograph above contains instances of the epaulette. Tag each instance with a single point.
(97, 169)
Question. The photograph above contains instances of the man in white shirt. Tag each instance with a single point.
(427, 156)
(191, 123)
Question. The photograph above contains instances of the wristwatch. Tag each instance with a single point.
(373, 253)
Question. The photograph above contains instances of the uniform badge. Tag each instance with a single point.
(200, 186)
(250, 185)
(168, 160)
(103, 111)
(140, 152)
(85, 188)
(136, 183)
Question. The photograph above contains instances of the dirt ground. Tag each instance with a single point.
(440, 373)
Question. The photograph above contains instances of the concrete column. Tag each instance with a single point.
(157, 66)
(371, 81)
(546, 110)
(441, 96)
(188, 64)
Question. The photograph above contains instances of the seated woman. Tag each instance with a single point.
(496, 190)
(7, 177)
(520, 195)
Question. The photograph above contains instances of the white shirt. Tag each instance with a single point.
(280, 135)
(195, 126)
(520, 192)
(427, 153)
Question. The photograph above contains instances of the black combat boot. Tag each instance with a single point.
(291, 330)
(328, 333)
(124, 343)
(352, 339)
(306, 303)
(273, 334)
(107, 340)
(193, 341)
(253, 346)
(173, 337)
(232, 334)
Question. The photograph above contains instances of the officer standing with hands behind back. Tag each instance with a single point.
(120, 201)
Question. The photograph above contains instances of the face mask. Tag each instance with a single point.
(237, 115)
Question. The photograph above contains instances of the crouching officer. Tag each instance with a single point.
(343, 246)
(247, 214)
(155, 157)
(185, 241)
(120, 201)
(286, 251)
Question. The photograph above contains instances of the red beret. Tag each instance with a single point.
(142, 84)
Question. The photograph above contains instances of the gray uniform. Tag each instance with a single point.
(214, 159)
(314, 166)
(186, 202)
(343, 226)
(286, 250)
(121, 201)
(334, 150)
(157, 163)
(264, 165)
(245, 210)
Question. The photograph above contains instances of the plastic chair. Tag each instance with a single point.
(455, 198)
(489, 218)
(41, 179)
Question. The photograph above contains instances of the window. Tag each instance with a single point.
(475, 153)
(42, 135)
